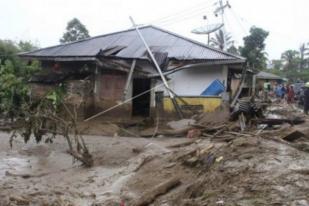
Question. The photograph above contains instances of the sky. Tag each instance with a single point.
(44, 21)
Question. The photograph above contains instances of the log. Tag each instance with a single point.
(143, 161)
(278, 121)
(239, 134)
(188, 153)
(151, 195)
(86, 159)
(25, 176)
(182, 144)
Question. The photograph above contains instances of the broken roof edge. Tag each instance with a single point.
(78, 41)
(27, 54)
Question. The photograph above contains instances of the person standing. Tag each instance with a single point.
(306, 98)
(283, 91)
(291, 94)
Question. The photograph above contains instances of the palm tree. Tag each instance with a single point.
(222, 40)
(291, 59)
(303, 53)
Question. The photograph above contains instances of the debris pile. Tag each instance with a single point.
(212, 164)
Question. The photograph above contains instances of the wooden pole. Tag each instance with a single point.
(129, 79)
(158, 69)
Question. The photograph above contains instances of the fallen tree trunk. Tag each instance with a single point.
(151, 195)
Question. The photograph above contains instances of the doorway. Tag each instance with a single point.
(141, 104)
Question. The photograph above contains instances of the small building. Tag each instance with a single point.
(263, 77)
(97, 73)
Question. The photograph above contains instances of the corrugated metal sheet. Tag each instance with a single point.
(266, 75)
(177, 47)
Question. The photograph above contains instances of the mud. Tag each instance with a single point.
(57, 180)
(256, 170)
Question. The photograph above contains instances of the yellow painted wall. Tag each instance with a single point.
(209, 103)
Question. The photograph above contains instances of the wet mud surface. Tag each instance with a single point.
(248, 170)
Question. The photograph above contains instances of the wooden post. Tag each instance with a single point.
(158, 69)
(129, 79)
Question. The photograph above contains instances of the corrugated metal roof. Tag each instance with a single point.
(159, 40)
(266, 75)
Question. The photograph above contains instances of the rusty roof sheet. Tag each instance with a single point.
(127, 44)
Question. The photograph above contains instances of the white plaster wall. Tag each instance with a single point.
(193, 81)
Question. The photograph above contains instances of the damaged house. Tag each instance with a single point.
(103, 71)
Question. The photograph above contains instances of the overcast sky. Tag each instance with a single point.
(44, 21)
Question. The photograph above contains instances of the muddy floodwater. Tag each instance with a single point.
(45, 174)
(246, 170)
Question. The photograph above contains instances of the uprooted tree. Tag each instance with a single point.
(43, 119)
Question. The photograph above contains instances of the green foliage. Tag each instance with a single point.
(26, 46)
(292, 75)
(254, 46)
(75, 31)
(291, 59)
(8, 51)
(233, 50)
(222, 40)
(277, 64)
(56, 97)
(14, 91)
(14, 75)
(303, 53)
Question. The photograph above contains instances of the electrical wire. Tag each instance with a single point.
(238, 19)
(184, 18)
(183, 12)
(124, 102)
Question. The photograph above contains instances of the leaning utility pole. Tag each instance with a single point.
(172, 96)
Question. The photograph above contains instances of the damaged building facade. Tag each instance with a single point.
(115, 69)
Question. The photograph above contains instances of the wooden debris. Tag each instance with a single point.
(272, 122)
(25, 176)
(19, 200)
(242, 121)
(151, 195)
(182, 144)
(239, 134)
(188, 153)
(194, 133)
(191, 161)
(144, 160)
(206, 150)
(85, 158)
(293, 135)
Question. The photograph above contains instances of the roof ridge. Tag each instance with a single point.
(86, 39)
(140, 27)
(197, 42)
